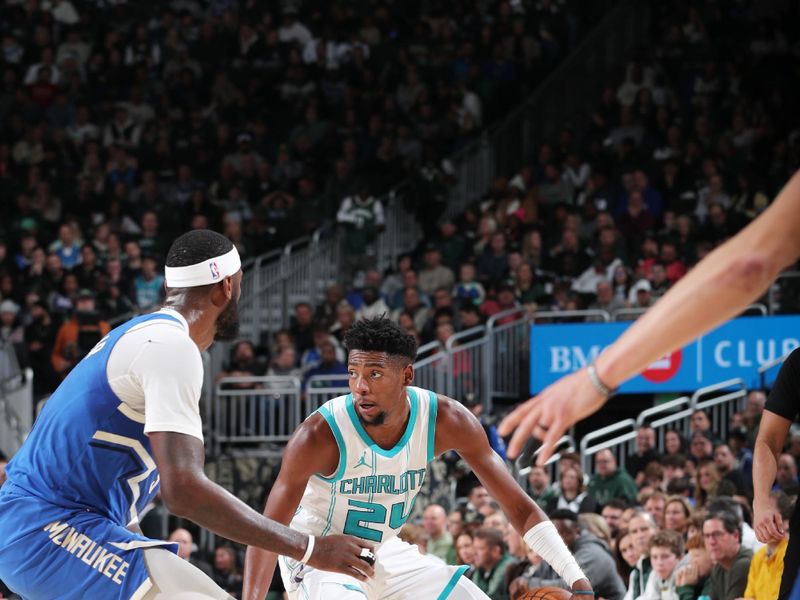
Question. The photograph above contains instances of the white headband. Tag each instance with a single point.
(211, 270)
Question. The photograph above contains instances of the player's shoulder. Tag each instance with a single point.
(163, 329)
(449, 412)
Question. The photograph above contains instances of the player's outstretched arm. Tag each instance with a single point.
(188, 493)
(458, 429)
(772, 433)
(718, 288)
(311, 449)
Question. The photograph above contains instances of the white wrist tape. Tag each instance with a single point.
(543, 539)
(206, 272)
(309, 550)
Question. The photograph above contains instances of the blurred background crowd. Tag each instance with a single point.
(123, 124)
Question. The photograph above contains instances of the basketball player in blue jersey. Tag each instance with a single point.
(125, 420)
(356, 465)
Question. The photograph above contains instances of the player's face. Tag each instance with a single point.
(378, 383)
(228, 319)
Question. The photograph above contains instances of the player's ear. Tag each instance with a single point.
(408, 374)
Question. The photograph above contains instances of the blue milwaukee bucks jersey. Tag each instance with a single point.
(372, 492)
(88, 449)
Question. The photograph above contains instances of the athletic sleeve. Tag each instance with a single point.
(171, 376)
(784, 399)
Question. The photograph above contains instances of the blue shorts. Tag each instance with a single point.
(49, 551)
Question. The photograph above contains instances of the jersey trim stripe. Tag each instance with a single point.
(133, 415)
(337, 434)
(133, 481)
(451, 585)
(434, 407)
(351, 411)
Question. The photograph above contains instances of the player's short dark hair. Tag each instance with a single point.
(380, 335)
(195, 246)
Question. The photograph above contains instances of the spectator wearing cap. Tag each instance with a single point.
(641, 295)
(78, 335)
(434, 275)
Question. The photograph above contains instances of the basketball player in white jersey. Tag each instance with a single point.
(356, 465)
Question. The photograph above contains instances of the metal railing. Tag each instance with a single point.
(16, 410)
(608, 438)
(321, 388)
(466, 364)
(253, 410)
(720, 401)
(507, 355)
(673, 415)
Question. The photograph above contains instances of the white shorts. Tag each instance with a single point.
(401, 573)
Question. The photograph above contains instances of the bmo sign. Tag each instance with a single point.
(736, 349)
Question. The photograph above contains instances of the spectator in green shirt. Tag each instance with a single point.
(723, 536)
(609, 481)
(491, 561)
(440, 542)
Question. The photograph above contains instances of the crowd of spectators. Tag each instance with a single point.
(690, 144)
(670, 522)
(120, 128)
(122, 125)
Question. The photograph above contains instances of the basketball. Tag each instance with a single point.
(546, 593)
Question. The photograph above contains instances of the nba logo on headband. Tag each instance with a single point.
(214, 270)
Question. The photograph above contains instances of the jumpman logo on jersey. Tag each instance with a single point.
(362, 462)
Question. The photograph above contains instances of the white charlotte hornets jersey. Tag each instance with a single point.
(372, 492)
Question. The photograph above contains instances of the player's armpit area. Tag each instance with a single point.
(458, 429)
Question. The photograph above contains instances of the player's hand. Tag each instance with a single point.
(767, 523)
(548, 415)
(342, 554)
(584, 586)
